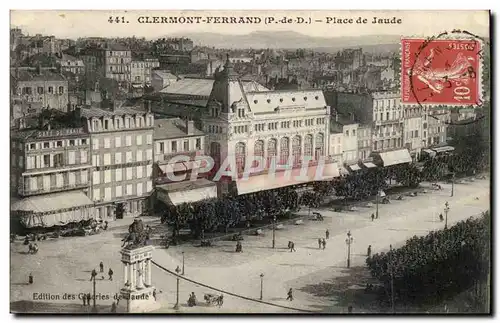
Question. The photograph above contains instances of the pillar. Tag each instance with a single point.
(140, 274)
(132, 276)
(148, 265)
(125, 272)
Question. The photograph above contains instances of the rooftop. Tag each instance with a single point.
(173, 128)
(97, 112)
(26, 75)
(203, 87)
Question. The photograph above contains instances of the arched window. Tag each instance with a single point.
(240, 155)
(215, 154)
(284, 150)
(258, 152)
(320, 145)
(308, 146)
(271, 151)
(296, 150)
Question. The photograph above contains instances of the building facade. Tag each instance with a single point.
(279, 127)
(364, 141)
(413, 130)
(39, 87)
(435, 125)
(388, 120)
(140, 71)
(50, 173)
(71, 64)
(122, 159)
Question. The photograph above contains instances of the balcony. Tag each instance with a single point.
(385, 122)
(53, 189)
(56, 169)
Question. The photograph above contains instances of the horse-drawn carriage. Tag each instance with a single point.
(213, 299)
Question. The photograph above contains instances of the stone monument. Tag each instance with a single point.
(137, 294)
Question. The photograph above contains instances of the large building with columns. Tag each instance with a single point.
(280, 125)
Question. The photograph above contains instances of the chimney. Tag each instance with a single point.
(189, 127)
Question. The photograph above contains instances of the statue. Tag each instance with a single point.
(137, 236)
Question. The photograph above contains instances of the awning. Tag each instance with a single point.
(395, 157)
(283, 178)
(443, 149)
(186, 192)
(54, 209)
(354, 167)
(369, 165)
(430, 152)
(52, 202)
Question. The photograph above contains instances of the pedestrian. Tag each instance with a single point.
(292, 247)
(110, 273)
(154, 294)
(327, 234)
(289, 295)
(349, 309)
(441, 217)
(369, 251)
(113, 307)
(324, 244)
(373, 216)
(101, 267)
(84, 298)
(30, 278)
(93, 274)
(88, 299)
(320, 242)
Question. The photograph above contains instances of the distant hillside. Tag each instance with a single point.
(292, 40)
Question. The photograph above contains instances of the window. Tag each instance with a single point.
(198, 143)
(258, 151)
(107, 176)
(347, 133)
(240, 155)
(320, 145)
(58, 160)
(97, 194)
(46, 145)
(51, 90)
(161, 147)
(118, 142)
(139, 189)
(118, 158)
(84, 141)
(354, 132)
(129, 173)
(308, 146)
(46, 160)
(128, 157)
(174, 146)
(284, 150)
(296, 149)
(40, 90)
(416, 133)
(138, 140)
(387, 116)
(95, 177)
(129, 190)
(128, 141)
(138, 171)
(381, 116)
(106, 124)
(107, 193)
(107, 143)
(149, 154)
(118, 175)
(61, 89)
(271, 151)
(118, 191)
(32, 146)
(107, 159)
(95, 144)
(138, 155)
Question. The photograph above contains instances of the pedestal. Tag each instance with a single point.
(136, 294)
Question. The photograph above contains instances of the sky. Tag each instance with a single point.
(85, 23)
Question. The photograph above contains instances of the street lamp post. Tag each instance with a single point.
(392, 278)
(446, 210)
(274, 232)
(94, 275)
(452, 184)
(183, 263)
(176, 307)
(376, 212)
(348, 241)
(261, 285)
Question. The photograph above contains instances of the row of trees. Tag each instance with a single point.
(219, 214)
(444, 262)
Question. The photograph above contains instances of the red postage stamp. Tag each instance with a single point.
(441, 72)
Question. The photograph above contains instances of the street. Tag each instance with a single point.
(64, 265)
